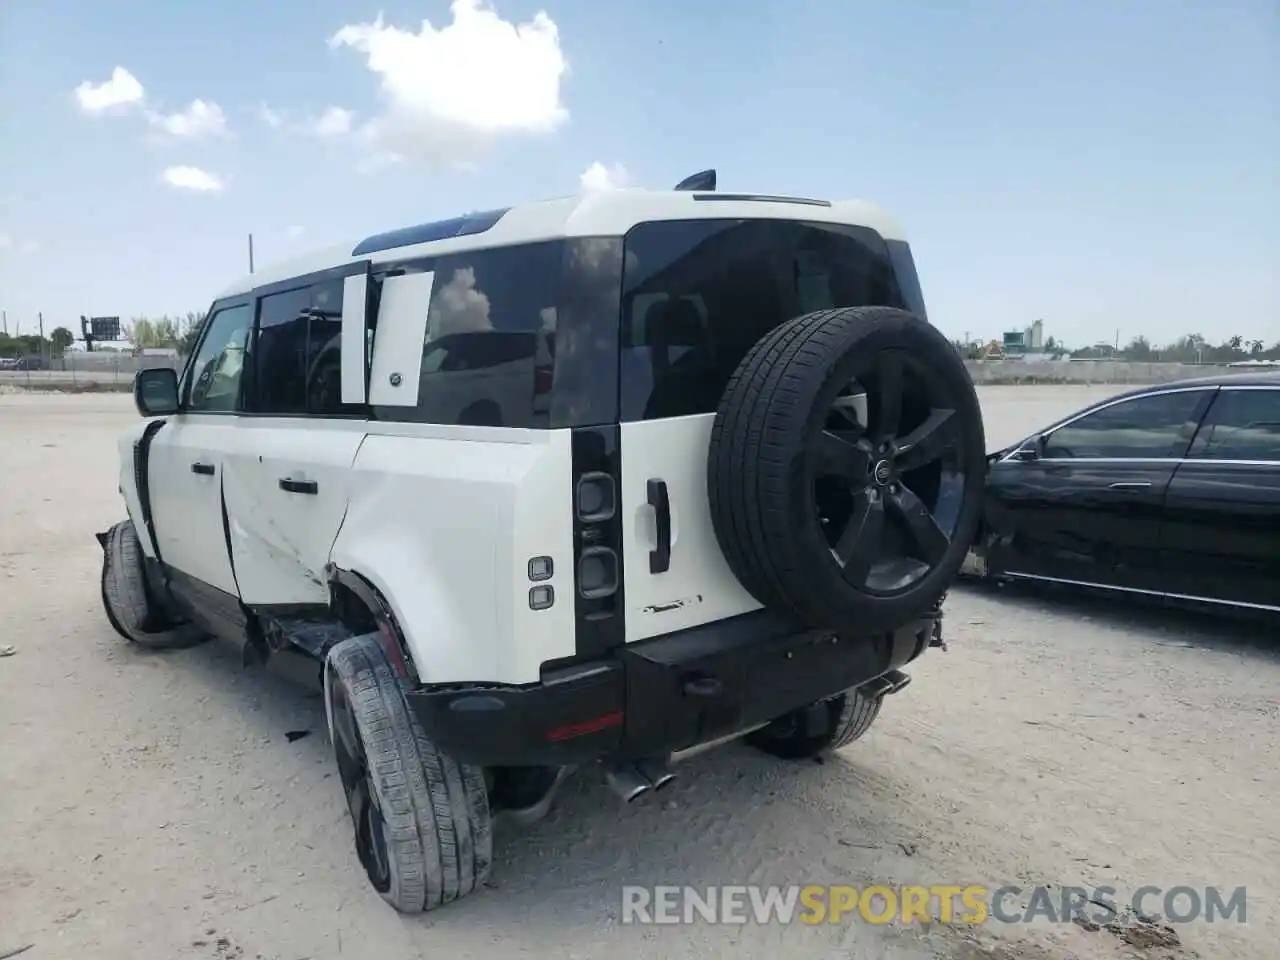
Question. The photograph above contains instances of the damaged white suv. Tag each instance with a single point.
(606, 479)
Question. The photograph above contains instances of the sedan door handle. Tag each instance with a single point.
(1131, 485)
(204, 469)
(289, 485)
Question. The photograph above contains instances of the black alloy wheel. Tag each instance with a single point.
(888, 473)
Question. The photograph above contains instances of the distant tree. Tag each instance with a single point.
(61, 339)
(1139, 348)
(1235, 342)
(1255, 347)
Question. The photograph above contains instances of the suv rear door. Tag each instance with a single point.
(697, 295)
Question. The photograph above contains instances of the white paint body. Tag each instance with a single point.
(443, 520)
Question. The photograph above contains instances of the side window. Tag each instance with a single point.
(489, 349)
(297, 357)
(1241, 425)
(1145, 427)
(698, 294)
(280, 353)
(216, 371)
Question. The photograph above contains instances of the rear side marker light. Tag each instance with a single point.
(586, 727)
(541, 568)
(596, 498)
(540, 598)
(597, 572)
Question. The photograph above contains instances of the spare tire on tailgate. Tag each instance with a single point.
(846, 468)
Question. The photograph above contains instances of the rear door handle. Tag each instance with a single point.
(204, 469)
(289, 485)
(1131, 485)
(660, 557)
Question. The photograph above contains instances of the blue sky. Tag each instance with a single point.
(1102, 165)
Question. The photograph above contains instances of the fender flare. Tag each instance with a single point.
(391, 637)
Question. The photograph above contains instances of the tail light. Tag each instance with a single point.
(597, 540)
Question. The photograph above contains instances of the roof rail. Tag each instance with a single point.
(702, 180)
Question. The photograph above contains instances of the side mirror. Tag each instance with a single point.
(1031, 449)
(155, 392)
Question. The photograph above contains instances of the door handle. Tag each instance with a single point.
(1131, 485)
(289, 485)
(204, 469)
(660, 557)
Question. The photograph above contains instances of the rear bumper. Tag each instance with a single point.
(658, 696)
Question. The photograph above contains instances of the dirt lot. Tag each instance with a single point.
(151, 806)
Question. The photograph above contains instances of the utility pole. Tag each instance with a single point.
(251, 253)
(40, 320)
(4, 319)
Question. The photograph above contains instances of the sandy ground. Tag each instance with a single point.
(152, 807)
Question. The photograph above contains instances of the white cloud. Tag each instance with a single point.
(599, 177)
(30, 246)
(272, 118)
(333, 122)
(293, 233)
(201, 119)
(448, 93)
(121, 90)
(6, 241)
(193, 178)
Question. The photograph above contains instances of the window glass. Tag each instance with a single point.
(697, 294)
(1153, 426)
(280, 353)
(1241, 425)
(298, 352)
(219, 362)
(489, 350)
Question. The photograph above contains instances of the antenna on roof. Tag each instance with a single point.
(702, 180)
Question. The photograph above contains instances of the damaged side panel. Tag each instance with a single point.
(286, 485)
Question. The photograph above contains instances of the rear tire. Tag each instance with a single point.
(421, 820)
(850, 715)
(126, 599)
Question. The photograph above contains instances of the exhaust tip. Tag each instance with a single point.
(658, 774)
(627, 782)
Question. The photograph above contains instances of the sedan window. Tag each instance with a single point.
(1153, 426)
(1241, 425)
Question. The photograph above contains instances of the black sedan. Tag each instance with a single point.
(1171, 491)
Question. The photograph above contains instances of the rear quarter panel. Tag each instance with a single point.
(443, 521)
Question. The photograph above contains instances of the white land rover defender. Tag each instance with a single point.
(608, 478)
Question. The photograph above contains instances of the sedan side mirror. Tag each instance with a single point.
(1031, 449)
(155, 392)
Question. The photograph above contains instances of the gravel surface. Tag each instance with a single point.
(151, 805)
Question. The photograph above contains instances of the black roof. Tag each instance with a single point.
(1245, 378)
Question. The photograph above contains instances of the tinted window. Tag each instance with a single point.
(489, 350)
(280, 353)
(697, 295)
(216, 371)
(1154, 426)
(1241, 425)
(297, 355)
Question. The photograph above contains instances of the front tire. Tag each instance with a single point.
(848, 717)
(421, 820)
(126, 600)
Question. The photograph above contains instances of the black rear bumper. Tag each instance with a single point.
(658, 696)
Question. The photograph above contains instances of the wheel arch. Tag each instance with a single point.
(353, 597)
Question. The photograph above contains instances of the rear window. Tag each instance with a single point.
(697, 294)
